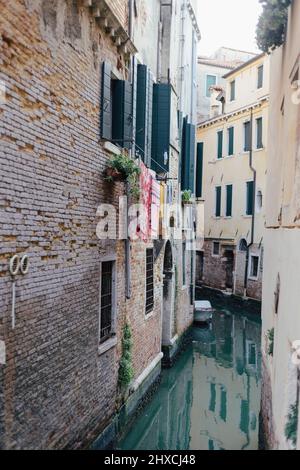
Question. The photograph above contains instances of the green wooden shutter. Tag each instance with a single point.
(141, 111)
(218, 201)
(188, 157)
(247, 136)
(106, 104)
(220, 144)
(231, 141)
(250, 198)
(259, 142)
(199, 179)
(122, 124)
(229, 200)
(161, 121)
(149, 113)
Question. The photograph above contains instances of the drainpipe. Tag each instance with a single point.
(253, 203)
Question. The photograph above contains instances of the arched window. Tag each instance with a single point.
(243, 245)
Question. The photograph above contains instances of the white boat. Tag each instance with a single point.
(202, 311)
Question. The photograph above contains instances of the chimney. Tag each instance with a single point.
(216, 108)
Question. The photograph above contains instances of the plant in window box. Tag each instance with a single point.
(123, 168)
(186, 196)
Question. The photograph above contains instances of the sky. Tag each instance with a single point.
(230, 23)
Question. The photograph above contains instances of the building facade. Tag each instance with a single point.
(280, 307)
(232, 149)
(81, 87)
(210, 73)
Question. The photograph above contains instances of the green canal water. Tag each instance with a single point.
(210, 399)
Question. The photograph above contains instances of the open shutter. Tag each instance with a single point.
(192, 157)
(247, 136)
(106, 104)
(231, 141)
(122, 113)
(161, 127)
(250, 198)
(188, 157)
(229, 200)
(149, 118)
(141, 111)
(220, 144)
(218, 201)
(199, 178)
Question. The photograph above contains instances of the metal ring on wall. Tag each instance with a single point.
(24, 265)
(14, 265)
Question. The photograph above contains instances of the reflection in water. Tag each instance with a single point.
(210, 399)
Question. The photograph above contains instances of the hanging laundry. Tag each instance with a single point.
(143, 229)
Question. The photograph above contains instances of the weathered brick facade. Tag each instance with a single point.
(57, 390)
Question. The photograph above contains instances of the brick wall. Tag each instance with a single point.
(57, 390)
(120, 10)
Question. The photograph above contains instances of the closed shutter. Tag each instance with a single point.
(199, 179)
(259, 142)
(218, 201)
(220, 144)
(231, 141)
(106, 104)
(188, 157)
(161, 127)
(260, 76)
(250, 198)
(247, 136)
(141, 111)
(149, 118)
(229, 200)
(122, 113)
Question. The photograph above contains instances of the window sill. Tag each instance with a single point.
(228, 217)
(260, 149)
(252, 278)
(109, 344)
(229, 156)
(149, 315)
(246, 216)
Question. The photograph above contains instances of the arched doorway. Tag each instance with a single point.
(168, 320)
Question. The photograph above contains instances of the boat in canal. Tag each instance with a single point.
(203, 312)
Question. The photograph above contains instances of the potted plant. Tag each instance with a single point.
(123, 168)
(186, 196)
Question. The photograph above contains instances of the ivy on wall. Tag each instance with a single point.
(126, 372)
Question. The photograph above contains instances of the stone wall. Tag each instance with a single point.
(267, 423)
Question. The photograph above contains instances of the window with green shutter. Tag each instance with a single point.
(260, 76)
(250, 198)
(122, 119)
(161, 120)
(247, 136)
(218, 201)
(144, 106)
(232, 90)
(259, 129)
(106, 102)
(229, 200)
(188, 156)
(231, 141)
(199, 178)
(220, 144)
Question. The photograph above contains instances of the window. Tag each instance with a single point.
(218, 201)
(251, 353)
(232, 90)
(211, 80)
(249, 202)
(223, 404)
(216, 248)
(254, 266)
(229, 200)
(230, 141)
(116, 109)
(247, 136)
(259, 201)
(259, 142)
(260, 76)
(107, 297)
(220, 144)
(149, 280)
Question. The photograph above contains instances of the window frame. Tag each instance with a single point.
(257, 120)
(250, 275)
(226, 207)
(220, 148)
(217, 216)
(206, 87)
(216, 255)
(260, 67)
(245, 123)
(248, 214)
(232, 85)
(230, 128)
(149, 310)
(112, 336)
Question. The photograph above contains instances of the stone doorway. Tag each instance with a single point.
(168, 320)
(229, 255)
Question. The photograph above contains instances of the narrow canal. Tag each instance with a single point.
(210, 399)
